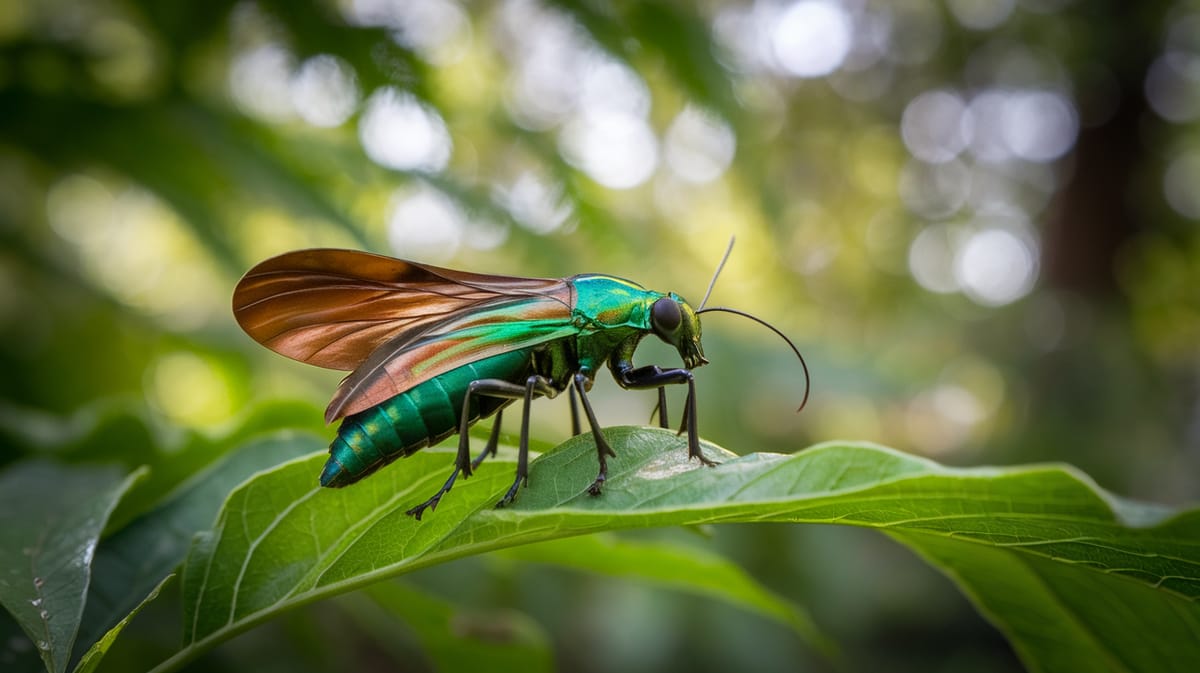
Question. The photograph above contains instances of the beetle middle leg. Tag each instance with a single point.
(660, 409)
(603, 450)
(533, 385)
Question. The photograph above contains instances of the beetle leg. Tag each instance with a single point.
(462, 462)
(653, 376)
(493, 440)
(542, 386)
(660, 409)
(603, 450)
(574, 412)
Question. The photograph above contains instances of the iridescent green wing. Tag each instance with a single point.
(507, 325)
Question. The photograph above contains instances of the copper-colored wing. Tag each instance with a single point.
(334, 308)
(500, 327)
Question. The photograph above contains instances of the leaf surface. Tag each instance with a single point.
(95, 654)
(282, 541)
(131, 562)
(453, 638)
(51, 517)
(683, 568)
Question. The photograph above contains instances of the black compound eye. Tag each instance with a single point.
(665, 316)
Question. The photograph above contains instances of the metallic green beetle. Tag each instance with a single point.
(433, 350)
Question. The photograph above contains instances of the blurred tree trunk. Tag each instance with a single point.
(1096, 213)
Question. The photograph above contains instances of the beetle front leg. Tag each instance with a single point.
(653, 376)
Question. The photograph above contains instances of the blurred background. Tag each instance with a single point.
(977, 218)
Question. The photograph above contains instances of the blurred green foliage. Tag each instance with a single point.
(978, 219)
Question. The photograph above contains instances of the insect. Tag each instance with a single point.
(431, 351)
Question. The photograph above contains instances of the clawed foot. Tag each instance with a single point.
(512, 492)
(430, 504)
(594, 489)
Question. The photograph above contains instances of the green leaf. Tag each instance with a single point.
(177, 467)
(132, 561)
(675, 566)
(51, 517)
(91, 659)
(1079, 612)
(455, 639)
(281, 541)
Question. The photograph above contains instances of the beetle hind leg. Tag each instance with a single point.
(493, 441)
(462, 461)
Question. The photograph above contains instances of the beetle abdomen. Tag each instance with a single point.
(424, 415)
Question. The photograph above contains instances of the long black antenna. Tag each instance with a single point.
(712, 283)
(764, 323)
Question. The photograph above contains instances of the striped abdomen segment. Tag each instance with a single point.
(424, 415)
